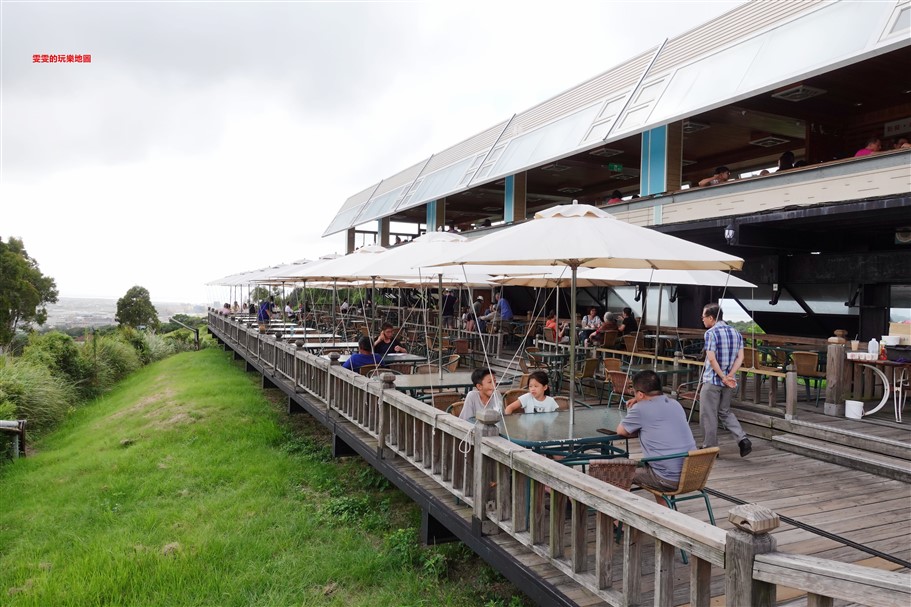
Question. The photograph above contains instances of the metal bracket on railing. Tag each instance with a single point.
(195, 331)
(17, 429)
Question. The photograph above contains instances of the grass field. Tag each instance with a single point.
(186, 486)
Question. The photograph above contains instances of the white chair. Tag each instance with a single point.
(899, 386)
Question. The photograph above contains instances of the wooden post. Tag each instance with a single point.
(330, 384)
(835, 378)
(750, 536)
(382, 424)
(790, 393)
(484, 473)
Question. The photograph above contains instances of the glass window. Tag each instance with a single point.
(900, 310)
(554, 140)
(438, 184)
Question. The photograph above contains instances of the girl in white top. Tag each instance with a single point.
(537, 399)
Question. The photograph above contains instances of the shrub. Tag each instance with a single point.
(35, 393)
(158, 347)
(111, 359)
(60, 354)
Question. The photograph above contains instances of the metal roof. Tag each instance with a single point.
(752, 46)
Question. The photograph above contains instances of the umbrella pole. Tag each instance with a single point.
(373, 321)
(572, 352)
(440, 318)
(334, 307)
(658, 327)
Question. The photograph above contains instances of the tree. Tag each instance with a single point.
(24, 290)
(135, 308)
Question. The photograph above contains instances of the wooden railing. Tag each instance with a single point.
(505, 485)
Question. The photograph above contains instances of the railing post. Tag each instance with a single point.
(382, 422)
(330, 384)
(484, 473)
(836, 381)
(750, 536)
(790, 393)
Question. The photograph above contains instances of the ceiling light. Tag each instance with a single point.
(570, 190)
(556, 168)
(606, 152)
(801, 92)
(691, 126)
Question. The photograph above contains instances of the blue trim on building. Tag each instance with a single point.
(653, 178)
(509, 199)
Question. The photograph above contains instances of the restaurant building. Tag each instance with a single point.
(828, 242)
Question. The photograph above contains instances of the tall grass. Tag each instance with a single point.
(31, 391)
(184, 486)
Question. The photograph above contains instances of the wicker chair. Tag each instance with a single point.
(589, 368)
(697, 466)
(456, 408)
(563, 403)
(443, 400)
(617, 472)
(689, 391)
(693, 477)
(512, 396)
(620, 384)
(807, 364)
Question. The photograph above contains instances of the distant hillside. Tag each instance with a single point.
(72, 312)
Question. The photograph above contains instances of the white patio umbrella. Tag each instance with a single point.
(580, 235)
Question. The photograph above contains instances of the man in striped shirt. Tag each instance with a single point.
(723, 357)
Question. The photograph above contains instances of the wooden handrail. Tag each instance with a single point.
(504, 484)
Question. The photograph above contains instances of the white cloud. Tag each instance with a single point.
(208, 138)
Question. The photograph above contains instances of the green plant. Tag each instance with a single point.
(135, 308)
(60, 354)
(24, 290)
(34, 392)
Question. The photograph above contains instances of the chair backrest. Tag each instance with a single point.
(532, 349)
(380, 371)
(696, 469)
(455, 408)
(751, 358)
(562, 403)
(806, 362)
(523, 381)
(535, 361)
(612, 364)
(631, 343)
(523, 366)
(367, 369)
(442, 400)
(451, 363)
(618, 472)
(425, 368)
(513, 395)
(549, 334)
(621, 382)
(590, 367)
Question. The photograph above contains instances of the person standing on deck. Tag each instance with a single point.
(723, 357)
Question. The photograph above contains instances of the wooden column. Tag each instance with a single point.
(836, 381)
(484, 473)
(382, 413)
(750, 537)
(382, 228)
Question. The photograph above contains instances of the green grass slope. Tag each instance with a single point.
(186, 486)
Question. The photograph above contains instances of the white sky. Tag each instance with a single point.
(209, 138)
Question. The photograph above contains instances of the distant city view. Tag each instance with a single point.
(74, 312)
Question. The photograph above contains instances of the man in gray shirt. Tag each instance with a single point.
(660, 423)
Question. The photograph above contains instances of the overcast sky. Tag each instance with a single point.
(208, 138)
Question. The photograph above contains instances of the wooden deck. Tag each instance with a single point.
(861, 506)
